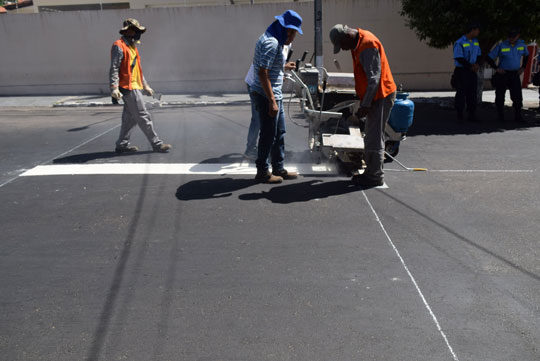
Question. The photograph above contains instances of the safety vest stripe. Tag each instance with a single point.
(521, 48)
(505, 50)
(465, 45)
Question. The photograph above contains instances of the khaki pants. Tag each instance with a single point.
(135, 113)
(374, 140)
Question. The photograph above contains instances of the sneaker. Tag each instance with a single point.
(162, 148)
(283, 173)
(128, 149)
(268, 177)
(364, 181)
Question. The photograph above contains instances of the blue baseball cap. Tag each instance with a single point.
(290, 20)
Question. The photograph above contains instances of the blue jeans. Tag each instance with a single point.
(254, 126)
(272, 137)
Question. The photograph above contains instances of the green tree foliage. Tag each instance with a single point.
(441, 22)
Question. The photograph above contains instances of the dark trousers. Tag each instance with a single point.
(466, 85)
(511, 81)
(272, 135)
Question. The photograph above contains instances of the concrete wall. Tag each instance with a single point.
(193, 50)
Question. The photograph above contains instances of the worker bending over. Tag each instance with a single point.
(376, 89)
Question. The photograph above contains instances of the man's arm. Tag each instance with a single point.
(116, 60)
(269, 51)
(371, 63)
(267, 87)
(491, 62)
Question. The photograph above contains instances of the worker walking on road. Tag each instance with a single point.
(465, 80)
(376, 89)
(510, 52)
(268, 65)
(127, 82)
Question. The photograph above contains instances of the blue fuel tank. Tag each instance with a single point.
(401, 117)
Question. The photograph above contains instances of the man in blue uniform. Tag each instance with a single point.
(466, 58)
(510, 52)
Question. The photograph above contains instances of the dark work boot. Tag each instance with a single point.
(162, 148)
(128, 149)
(517, 116)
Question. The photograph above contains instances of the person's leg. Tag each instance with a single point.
(278, 148)
(374, 141)
(459, 100)
(514, 84)
(500, 90)
(267, 133)
(253, 132)
(128, 123)
(143, 118)
(472, 84)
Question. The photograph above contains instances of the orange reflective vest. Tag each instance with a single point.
(387, 85)
(125, 71)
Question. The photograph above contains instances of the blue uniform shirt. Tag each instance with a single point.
(467, 49)
(509, 55)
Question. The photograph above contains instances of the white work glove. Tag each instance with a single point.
(116, 94)
(149, 91)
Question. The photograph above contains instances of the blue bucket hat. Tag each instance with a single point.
(290, 20)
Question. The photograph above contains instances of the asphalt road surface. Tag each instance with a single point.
(200, 263)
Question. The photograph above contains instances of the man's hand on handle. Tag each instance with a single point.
(290, 66)
(363, 112)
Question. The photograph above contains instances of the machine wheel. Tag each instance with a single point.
(392, 148)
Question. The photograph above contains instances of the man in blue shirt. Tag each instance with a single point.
(510, 52)
(266, 90)
(466, 58)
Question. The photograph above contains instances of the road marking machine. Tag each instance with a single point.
(329, 103)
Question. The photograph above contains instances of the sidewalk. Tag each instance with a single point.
(98, 100)
(445, 98)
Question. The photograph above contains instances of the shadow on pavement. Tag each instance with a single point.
(303, 192)
(464, 239)
(84, 127)
(211, 188)
(437, 117)
(87, 157)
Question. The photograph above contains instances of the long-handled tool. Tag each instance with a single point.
(404, 167)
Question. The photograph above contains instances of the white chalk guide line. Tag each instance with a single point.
(413, 280)
(62, 154)
(469, 170)
(167, 168)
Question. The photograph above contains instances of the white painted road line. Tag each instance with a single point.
(64, 153)
(426, 304)
(167, 168)
(469, 170)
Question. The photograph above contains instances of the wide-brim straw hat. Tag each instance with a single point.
(132, 23)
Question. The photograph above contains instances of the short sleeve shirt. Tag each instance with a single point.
(509, 55)
(467, 49)
(268, 55)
